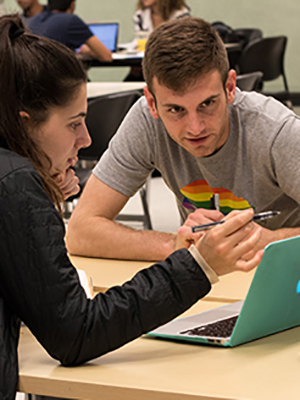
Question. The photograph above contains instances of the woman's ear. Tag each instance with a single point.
(24, 115)
(25, 119)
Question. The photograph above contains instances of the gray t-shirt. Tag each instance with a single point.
(258, 166)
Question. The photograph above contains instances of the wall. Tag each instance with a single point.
(274, 17)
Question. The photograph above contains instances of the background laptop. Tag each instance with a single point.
(272, 303)
(107, 33)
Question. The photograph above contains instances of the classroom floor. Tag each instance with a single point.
(162, 207)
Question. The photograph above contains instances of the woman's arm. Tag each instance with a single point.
(41, 286)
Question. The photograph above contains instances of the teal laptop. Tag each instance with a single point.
(272, 304)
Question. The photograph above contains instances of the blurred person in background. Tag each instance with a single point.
(2, 8)
(30, 9)
(152, 13)
(59, 23)
(148, 16)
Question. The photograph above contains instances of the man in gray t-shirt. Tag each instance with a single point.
(205, 137)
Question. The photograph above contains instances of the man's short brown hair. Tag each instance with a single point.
(179, 51)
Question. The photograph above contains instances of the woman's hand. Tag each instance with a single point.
(68, 183)
(224, 247)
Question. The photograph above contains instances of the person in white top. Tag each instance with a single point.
(149, 15)
(2, 8)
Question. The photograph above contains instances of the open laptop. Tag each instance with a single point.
(107, 33)
(272, 304)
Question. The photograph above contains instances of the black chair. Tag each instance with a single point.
(249, 82)
(243, 36)
(247, 35)
(267, 55)
(104, 116)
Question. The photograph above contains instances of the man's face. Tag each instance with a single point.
(197, 119)
(24, 4)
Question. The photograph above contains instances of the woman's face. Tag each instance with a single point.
(148, 3)
(24, 4)
(64, 133)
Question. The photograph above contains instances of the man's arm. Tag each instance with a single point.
(97, 49)
(92, 231)
(284, 160)
(269, 236)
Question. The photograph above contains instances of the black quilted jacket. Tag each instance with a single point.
(39, 286)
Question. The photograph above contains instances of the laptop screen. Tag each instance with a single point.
(107, 33)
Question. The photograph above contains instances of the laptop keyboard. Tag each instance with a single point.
(222, 328)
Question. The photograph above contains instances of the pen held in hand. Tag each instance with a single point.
(257, 217)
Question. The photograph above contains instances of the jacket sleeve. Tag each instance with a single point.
(39, 284)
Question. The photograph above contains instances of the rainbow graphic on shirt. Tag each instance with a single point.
(198, 194)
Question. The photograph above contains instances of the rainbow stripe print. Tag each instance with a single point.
(198, 194)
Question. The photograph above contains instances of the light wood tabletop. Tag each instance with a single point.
(102, 88)
(152, 369)
(107, 273)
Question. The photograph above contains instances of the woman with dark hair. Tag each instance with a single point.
(148, 16)
(152, 13)
(43, 106)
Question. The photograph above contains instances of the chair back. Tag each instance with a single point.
(104, 116)
(265, 55)
(247, 35)
(249, 82)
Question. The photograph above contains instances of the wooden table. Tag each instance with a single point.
(152, 369)
(102, 88)
(106, 273)
(120, 59)
(125, 59)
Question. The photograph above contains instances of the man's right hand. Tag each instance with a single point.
(185, 237)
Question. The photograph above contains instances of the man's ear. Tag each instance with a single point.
(151, 103)
(71, 9)
(230, 86)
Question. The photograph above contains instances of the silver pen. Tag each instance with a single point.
(217, 201)
(256, 217)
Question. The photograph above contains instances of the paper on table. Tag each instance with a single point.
(86, 283)
(128, 55)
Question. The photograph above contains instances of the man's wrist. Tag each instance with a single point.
(169, 245)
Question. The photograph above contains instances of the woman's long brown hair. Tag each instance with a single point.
(37, 74)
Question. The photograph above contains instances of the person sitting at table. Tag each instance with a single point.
(59, 23)
(149, 15)
(42, 129)
(205, 137)
(152, 13)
